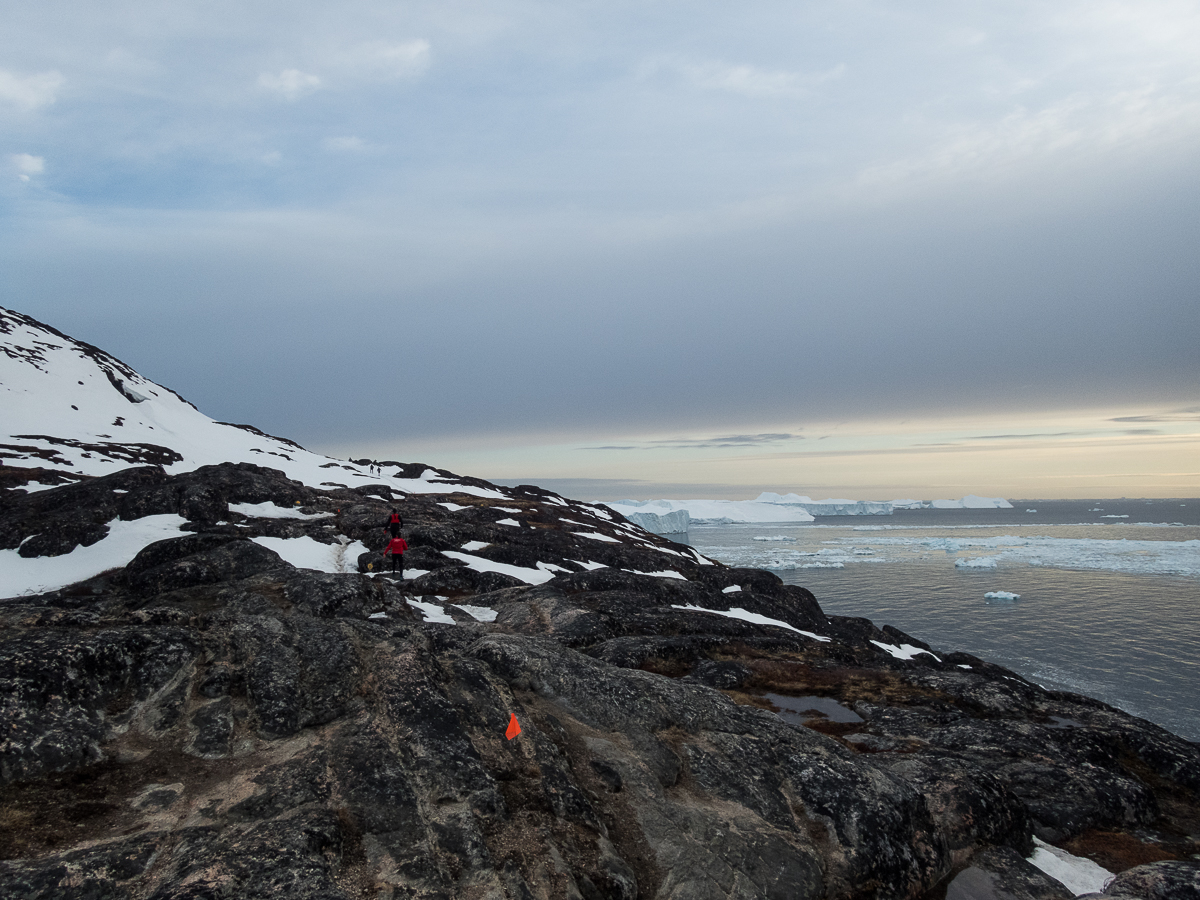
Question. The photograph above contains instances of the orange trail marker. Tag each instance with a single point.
(514, 727)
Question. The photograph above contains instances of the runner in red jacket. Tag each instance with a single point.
(396, 546)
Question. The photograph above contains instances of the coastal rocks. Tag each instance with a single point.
(1156, 881)
(208, 719)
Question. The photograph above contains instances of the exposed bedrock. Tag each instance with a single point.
(210, 721)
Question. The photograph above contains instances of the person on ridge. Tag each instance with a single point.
(394, 523)
(396, 546)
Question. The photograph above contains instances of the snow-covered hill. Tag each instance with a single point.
(69, 410)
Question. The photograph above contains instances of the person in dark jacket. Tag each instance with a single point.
(396, 546)
(394, 523)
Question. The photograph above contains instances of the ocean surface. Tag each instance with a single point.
(1109, 590)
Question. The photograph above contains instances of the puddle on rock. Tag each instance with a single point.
(799, 709)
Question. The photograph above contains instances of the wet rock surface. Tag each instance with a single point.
(210, 721)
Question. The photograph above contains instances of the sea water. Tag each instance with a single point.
(1108, 591)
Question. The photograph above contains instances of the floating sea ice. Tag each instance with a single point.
(979, 562)
(776, 537)
(1001, 595)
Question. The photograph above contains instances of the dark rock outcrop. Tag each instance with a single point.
(210, 721)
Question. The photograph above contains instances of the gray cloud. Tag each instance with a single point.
(499, 220)
(1185, 415)
(733, 440)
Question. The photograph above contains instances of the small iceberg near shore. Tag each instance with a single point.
(979, 562)
(1001, 595)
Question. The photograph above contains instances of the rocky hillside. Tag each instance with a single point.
(212, 688)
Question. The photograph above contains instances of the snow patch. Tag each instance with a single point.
(307, 553)
(904, 651)
(1076, 874)
(269, 510)
(123, 542)
(470, 546)
(732, 589)
(512, 522)
(754, 618)
(478, 613)
(432, 612)
(543, 573)
(596, 536)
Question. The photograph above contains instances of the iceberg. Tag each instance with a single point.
(674, 522)
(828, 507)
(979, 562)
(972, 502)
(713, 511)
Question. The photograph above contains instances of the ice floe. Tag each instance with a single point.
(1001, 595)
(978, 562)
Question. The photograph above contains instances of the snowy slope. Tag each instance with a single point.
(69, 408)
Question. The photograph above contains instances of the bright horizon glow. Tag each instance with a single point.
(1121, 452)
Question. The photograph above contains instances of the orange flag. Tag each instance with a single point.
(514, 727)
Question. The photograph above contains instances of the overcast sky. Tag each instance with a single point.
(656, 248)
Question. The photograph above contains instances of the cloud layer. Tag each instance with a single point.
(422, 223)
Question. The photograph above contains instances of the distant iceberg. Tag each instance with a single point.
(972, 502)
(674, 522)
(828, 507)
(772, 507)
(712, 511)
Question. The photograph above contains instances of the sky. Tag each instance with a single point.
(843, 248)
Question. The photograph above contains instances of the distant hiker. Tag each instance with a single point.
(396, 546)
(394, 523)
